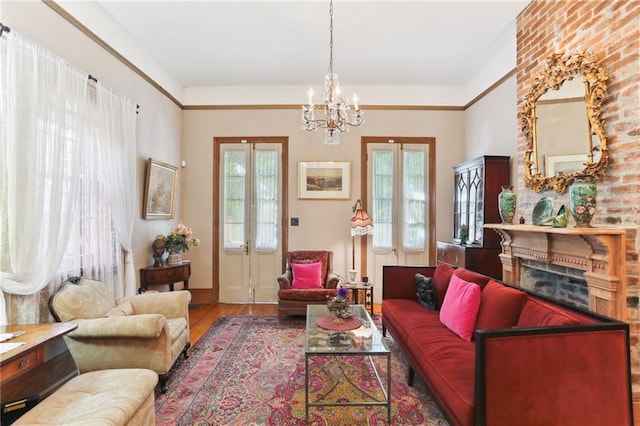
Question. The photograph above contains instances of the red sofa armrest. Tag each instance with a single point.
(398, 281)
(569, 375)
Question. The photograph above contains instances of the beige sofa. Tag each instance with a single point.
(147, 331)
(106, 397)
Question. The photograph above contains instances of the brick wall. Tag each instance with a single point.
(611, 31)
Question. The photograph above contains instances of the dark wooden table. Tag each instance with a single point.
(167, 274)
(35, 369)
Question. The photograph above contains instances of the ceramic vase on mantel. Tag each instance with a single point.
(582, 199)
(507, 204)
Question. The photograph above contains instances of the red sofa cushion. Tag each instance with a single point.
(306, 295)
(441, 277)
(472, 277)
(500, 306)
(536, 314)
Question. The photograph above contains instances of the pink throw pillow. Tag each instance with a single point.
(460, 307)
(307, 275)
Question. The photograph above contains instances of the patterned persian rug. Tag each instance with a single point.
(249, 370)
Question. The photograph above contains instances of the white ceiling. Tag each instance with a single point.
(262, 43)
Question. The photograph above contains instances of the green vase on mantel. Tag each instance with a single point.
(507, 204)
(582, 198)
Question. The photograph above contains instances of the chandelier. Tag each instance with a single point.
(338, 114)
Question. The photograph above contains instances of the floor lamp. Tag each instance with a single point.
(361, 224)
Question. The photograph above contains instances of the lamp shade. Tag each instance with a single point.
(361, 223)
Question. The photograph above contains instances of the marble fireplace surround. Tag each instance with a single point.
(599, 252)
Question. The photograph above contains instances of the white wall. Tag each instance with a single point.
(491, 126)
(323, 224)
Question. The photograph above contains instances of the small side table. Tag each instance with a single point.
(168, 274)
(356, 288)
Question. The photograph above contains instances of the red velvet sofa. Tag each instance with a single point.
(546, 363)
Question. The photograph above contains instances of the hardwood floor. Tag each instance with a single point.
(202, 317)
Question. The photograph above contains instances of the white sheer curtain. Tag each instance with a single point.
(67, 174)
(266, 188)
(41, 97)
(117, 120)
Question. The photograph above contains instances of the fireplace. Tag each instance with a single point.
(580, 266)
(562, 283)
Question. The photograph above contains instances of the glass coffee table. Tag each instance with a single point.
(336, 372)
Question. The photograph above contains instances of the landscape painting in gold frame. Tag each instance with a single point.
(556, 164)
(159, 190)
(324, 180)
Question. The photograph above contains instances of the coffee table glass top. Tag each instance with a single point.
(365, 340)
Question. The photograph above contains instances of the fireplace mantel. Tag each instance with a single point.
(599, 252)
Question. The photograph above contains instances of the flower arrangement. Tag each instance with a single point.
(179, 239)
(339, 305)
(342, 294)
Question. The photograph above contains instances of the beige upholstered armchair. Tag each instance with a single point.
(149, 331)
(292, 298)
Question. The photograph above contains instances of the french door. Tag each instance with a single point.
(400, 174)
(250, 182)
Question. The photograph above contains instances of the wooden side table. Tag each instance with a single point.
(168, 274)
(355, 290)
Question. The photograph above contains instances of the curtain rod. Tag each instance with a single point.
(95, 80)
(3, 29)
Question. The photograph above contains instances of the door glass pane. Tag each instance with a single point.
(382, 188)
(234, 199)
(266, 200)
(414, 203)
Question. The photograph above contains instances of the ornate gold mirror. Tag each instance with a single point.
(560, 117)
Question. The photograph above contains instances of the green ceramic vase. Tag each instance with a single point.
(582, 198)
(507, 204)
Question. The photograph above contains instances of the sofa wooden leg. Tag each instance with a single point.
(410, 376)
(185, 351)
(163, 378)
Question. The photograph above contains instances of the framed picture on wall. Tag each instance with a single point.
(556, 164)
(159, 190)
(324, 180)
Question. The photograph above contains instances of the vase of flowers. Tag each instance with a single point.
(178, 241)
(338, 305)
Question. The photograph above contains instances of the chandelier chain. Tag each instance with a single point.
(331, 37)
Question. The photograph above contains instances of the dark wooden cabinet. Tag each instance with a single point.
(477, 184)
(481, 259)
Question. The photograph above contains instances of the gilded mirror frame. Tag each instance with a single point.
(561, 68)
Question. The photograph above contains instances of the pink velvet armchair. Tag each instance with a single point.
(308, 280)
